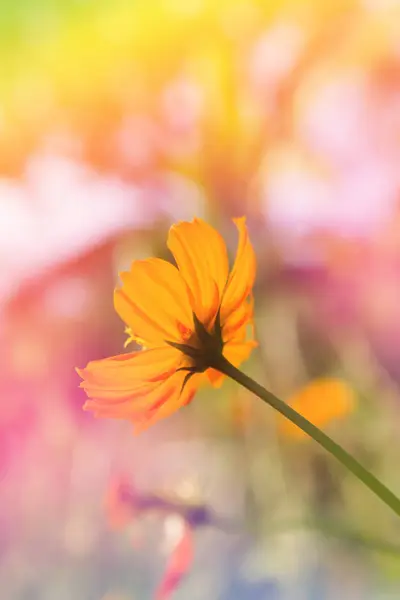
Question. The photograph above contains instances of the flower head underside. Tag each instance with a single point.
(184, 317)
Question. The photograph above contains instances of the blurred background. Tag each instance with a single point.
(118, 118)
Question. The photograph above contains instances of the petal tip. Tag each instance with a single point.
(81, 373)
(140, 427)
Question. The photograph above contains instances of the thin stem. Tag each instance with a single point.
(376, 486)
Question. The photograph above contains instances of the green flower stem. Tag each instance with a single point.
(376, 486)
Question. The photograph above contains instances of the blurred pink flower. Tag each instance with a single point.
(63, 209)
(300, 198)
(178, 564)
(338, 172)
(273, 57)
(182, 108)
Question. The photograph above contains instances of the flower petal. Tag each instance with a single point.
(242, 276)
(202, 259)
(117, 383)
(147, 402)
(125, 370)
(178, 565)
(238, 352)
(177, 398)
(235, 325)
(153, 301)
(134, 406)
(216, 378)
(321, 401)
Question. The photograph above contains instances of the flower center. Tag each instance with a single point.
(203, 347)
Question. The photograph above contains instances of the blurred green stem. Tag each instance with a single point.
(376, 486)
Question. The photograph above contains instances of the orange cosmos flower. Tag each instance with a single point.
(184, 317)
(321, 401)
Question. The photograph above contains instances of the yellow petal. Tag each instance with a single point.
(117, 379)
(138, 404)
(242, 276)
(235, 325)
(238, 352)
(175, 400)
(216, 378)
(142, 387)
(201, 256)
(321, 401)
(153, 302)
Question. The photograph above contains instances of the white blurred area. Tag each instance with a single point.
(63, 208)
(331, 166)
(339, 171)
